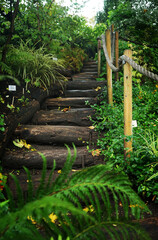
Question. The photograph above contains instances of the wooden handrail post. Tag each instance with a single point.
(127, 105)
(99, 56)
(116, 53)
(112, 27)
(109, 71)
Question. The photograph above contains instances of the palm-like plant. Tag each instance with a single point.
(84, 205)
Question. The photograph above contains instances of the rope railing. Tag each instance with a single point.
(124, 59)
(109, 45)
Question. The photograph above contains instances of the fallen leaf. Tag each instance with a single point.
(97, 89)
(96, 152)
(91, 127)
(65, 110)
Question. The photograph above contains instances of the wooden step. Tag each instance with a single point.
(83, 85)
(17, 158)
(81, 93)
(56, 134)
(78, 102)
(84, 74)
(86, 78)
(90, 70)
(91, 63)
(73, 117)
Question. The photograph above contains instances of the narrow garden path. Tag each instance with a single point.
(60, 121)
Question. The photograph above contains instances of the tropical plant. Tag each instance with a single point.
(83, 205)
(34, 64)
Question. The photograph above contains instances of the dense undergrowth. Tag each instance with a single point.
(142, 164)
(83, 205)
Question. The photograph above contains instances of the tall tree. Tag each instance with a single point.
(9, 16)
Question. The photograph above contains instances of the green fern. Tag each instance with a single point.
(97, 187)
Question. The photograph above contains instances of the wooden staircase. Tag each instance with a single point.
(60, 121)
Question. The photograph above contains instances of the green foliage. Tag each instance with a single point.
(109, 123)
(74, 58)
(2, 123)
(34, 64)
(46, 23)
(139, 16)
(57, 208)
(136, 21)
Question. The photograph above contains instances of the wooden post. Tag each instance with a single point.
(112, 28)
(127, 105)
(116, 54)
(99, 56)
(109, 71)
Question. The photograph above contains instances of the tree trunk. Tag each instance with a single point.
(4, 52)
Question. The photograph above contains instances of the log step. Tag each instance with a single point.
(85, 74)
(93, 63)
(77, 102)
(91, 78)
(84, 85)
(73, 117)
(32, 159)
(56, 134)
(88, 70)
(81, 93)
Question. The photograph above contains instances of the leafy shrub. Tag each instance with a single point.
(109, 122)
(34, 64)
(84, 205)
(74, 58)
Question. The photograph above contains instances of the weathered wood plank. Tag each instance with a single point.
(81, 93)
(31, 159)
(56, 134)
(73, 117)
(23, 117)
(77, 102)
(83, 85)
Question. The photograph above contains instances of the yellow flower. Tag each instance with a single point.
(53, 217)
(1, 176)
(31, 219)
(89, 209)
(156, 85)
(59, 171)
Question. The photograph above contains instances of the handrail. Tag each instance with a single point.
(123, 59)
(128, 63)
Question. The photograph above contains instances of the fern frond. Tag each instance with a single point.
(68, 196)
(30, 185)
(40, 208)
(61, 179)
(41, 187)
(113, 230)
(88, 185)
(20, 197)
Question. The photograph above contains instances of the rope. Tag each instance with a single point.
(112, 46)
(124, 59)
(139, 68)
(107, 56)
